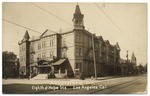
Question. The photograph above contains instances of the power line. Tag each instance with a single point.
(51, 14)
(113, 23)
(30, 28)
(21, 26)
(53, 31)
(27, 27)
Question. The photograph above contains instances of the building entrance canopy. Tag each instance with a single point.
(59, 62)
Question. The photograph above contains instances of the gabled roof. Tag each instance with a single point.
(59, 62)
(107, 42)
(114, 46)
(47, 33)
(100, 37)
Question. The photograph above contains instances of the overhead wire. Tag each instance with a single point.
(21, 26)
(114, 24)
(51, 13)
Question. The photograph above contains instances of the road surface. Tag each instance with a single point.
(121, 85)
(124, 85)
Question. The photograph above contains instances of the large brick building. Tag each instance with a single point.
(68, 53)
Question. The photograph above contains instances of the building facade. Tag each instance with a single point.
(69, 53)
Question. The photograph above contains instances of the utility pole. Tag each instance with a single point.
(94, 56)
(114, 63)
(127, 63)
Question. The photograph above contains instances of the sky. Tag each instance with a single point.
(125, 23)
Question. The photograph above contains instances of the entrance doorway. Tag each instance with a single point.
(44, 70)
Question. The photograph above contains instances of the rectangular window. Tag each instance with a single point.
(96, 45)
(43, 54)
(79, 66)
(51, 54)
(104, 48)
(79, 52)
(76, 38)
(90, 42)
(39, 46)
(20, 58)
(51, 42)
(39, 55)
(24, 59)
(43, 44)
(100, 50)
(79, 39)
(23, 48)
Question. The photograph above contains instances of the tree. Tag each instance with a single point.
(141, 68)
(10, 64)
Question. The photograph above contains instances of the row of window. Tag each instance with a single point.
(43, 45)
(43, 55)
(79, 39)
(22, 49)
(79, 66)
(79, 52)
(22, 58)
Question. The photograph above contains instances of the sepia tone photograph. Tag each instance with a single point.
(74, 48)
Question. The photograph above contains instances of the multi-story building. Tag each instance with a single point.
(69, 53)
(46, 47)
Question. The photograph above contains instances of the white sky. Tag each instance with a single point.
(131, 19)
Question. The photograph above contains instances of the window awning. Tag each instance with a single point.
(59, 62)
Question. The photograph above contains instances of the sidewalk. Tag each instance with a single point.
(66, 82)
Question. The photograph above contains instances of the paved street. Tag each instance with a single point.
(124, 85)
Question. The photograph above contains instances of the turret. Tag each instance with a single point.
(24, 55)
(78, 18)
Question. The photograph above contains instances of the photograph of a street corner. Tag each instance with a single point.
(74, 48)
